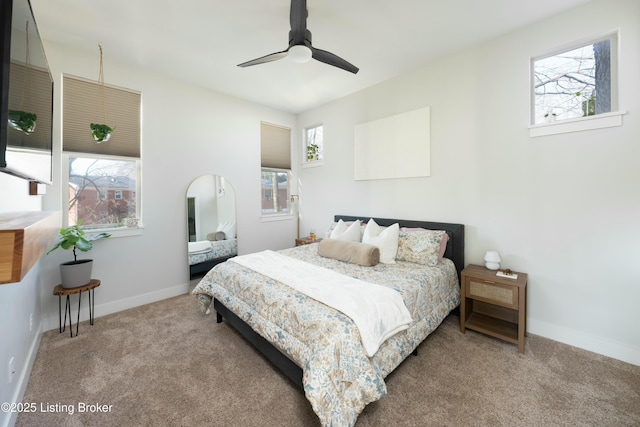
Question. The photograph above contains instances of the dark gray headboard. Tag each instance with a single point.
(455, 246)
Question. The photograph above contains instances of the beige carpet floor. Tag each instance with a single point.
(166, 364)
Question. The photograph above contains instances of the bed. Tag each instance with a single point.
(318, 347)
(205, 254)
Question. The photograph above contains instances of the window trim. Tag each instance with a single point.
(577, 124)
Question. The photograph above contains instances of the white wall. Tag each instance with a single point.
(18, 301)
(562, 208)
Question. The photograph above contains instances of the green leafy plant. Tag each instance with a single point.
(588, 103)
(100, 132)
(312, 152)
(74, 237)
(23, 121)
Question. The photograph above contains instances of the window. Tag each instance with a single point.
(102, 192)
(275, 191)
(313, 142)
(103, 178)
(575, 83)
(275, 177)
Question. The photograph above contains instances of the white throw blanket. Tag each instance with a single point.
(378, 312)
(199, 247)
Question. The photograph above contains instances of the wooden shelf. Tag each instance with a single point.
(498, 328)
(24, 237)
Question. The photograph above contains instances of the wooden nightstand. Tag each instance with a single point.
(306, 240)
(494, 305)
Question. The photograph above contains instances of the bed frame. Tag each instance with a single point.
(455, 252)
(200, 269)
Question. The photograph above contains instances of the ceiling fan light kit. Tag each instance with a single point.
(300, 48)
(300, 54)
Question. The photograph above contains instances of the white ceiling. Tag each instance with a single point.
(202, 41)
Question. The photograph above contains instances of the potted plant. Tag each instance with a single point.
(312, 152)
(22, 121)
(130, 222)
(100, 132)
(77, 272)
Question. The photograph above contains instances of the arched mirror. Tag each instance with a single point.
(211, 223)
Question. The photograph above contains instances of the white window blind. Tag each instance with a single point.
(275, 144)
(83, 105)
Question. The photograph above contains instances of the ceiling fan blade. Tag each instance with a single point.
(298, 21)
(332, 59)
(267, 58)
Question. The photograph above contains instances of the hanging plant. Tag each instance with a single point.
(101, 132)
(22, 121)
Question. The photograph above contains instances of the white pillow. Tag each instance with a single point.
(229, 229)
(350, 233)
(385, 238)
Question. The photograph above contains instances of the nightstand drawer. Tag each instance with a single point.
(494, 293)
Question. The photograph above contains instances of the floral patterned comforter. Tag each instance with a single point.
(338, 378)
(219, 249)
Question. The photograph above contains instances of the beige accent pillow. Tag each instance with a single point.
(218, 235)
(352, 252)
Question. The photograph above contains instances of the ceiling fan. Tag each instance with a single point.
(300, 48)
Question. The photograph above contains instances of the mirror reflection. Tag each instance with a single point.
(211, 223)
(30, 100)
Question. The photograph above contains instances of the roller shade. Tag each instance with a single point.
(275, 144)
(82, 105)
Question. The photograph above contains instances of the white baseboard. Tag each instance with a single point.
(52, 321)
(584, 341)
(23, 379)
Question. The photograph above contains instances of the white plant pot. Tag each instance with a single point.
(76, 273)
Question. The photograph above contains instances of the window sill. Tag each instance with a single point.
(276, 217)
(117, 231)
(598, 121)
(313, 164)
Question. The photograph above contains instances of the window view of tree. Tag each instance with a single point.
(572, 84)
(314, 143)
(275, 191)
(102, 192)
